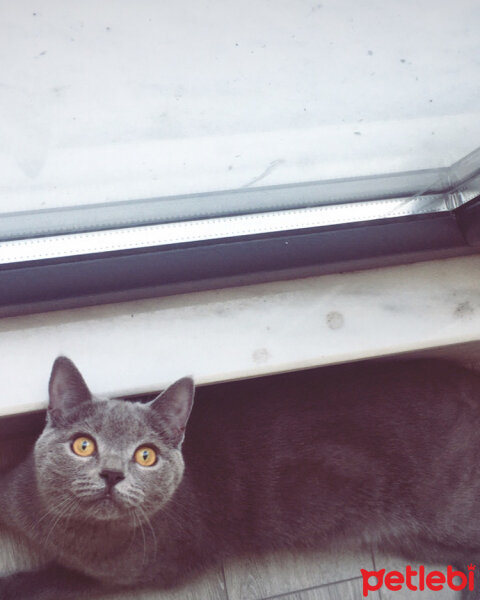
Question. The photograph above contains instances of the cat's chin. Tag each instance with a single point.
(106, 508)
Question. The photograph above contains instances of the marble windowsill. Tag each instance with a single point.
(141, 346)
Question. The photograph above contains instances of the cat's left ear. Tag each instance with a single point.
(173, 407)
(66, 388)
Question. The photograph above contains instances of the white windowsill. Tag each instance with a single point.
(141, 346)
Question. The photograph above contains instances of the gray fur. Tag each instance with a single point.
(382, 455)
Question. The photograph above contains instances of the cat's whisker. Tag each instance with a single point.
(65, 510)
(85, 485)
(148, 522)
(131, 514)
(82, 488)
(175, 513)
(88, 494)
(144, 541)
(52, 510)
(131, 499)
(55, 512)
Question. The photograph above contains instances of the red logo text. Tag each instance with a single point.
(417, 579)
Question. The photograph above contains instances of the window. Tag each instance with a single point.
(155, 148)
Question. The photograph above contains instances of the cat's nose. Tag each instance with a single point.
(112, 477)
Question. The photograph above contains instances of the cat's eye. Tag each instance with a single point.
(145, 456)
(83, 446)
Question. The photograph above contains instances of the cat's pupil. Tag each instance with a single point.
(84, 445)
(145, 455)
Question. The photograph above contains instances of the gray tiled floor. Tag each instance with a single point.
(345, 590)
(281, 573)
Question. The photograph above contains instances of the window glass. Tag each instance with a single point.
(119, 114)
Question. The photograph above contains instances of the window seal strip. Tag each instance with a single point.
(74, 281)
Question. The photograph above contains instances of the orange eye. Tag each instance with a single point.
(146, 456)
(83, 446)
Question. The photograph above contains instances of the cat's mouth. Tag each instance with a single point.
(106, 505)
(107, 498)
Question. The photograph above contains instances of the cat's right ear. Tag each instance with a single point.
(173, 407)
(66, 388)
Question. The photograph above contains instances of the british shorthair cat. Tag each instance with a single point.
(121, 494)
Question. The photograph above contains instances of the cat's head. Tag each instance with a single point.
(109, 459)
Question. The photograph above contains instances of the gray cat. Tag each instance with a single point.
(382, 455)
